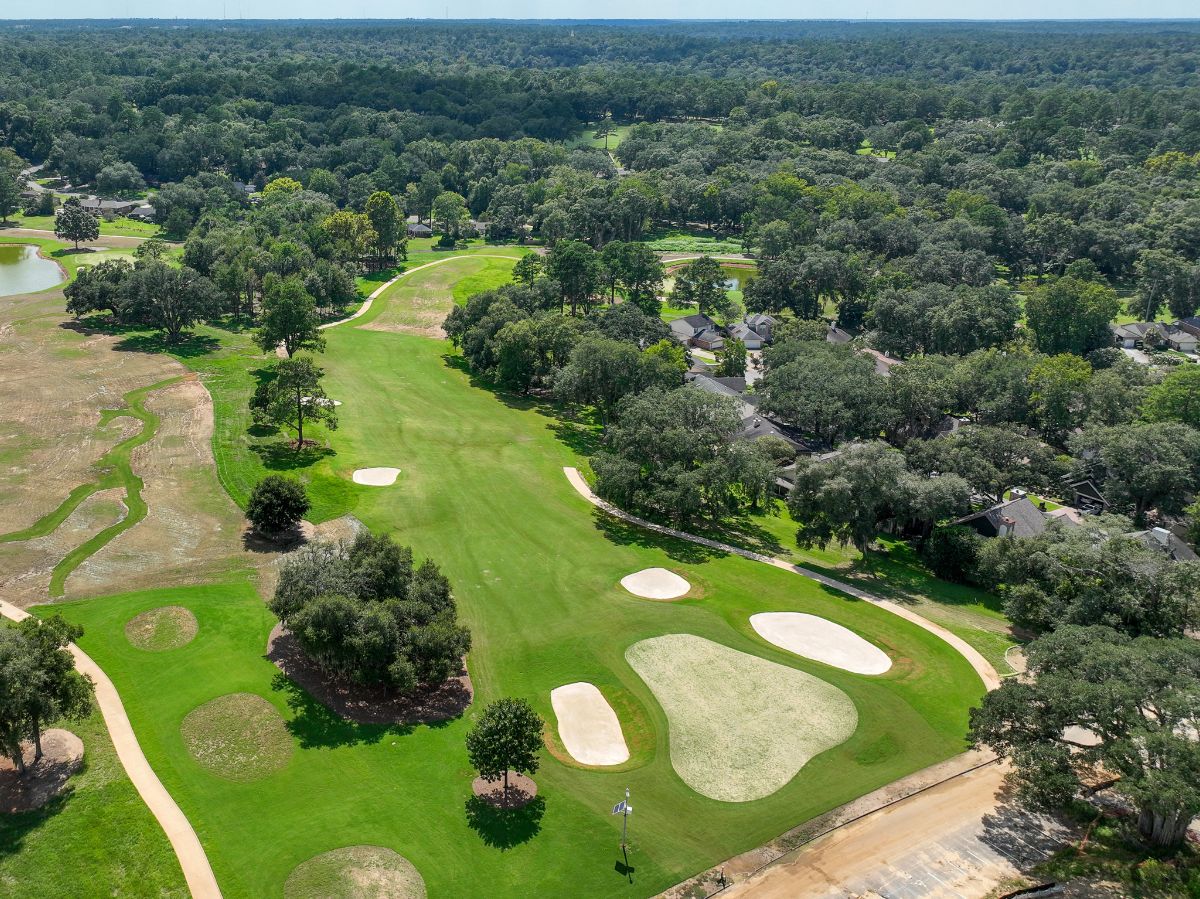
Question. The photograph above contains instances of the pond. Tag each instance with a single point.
(22, 270)
(737, 277)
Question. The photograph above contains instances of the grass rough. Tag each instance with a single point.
(355, 872)
(168, 627)
(240, 737)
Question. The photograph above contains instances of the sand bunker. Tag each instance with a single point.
(355, 872)
(588, 726)
(376, 477)
(741, 727)
(821, 640)
(655, 583)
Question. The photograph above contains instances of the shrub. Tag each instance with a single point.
(952, 552)
(276, 504)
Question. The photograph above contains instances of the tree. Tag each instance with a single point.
(1161, 277)
(10, 195)
(294, 395)
(1145, 465)
(941, 319)
(1175, 398)
(1134, 696)
(387, 222)
(281, 187)
(289, 318)
(73, 222)
(1071, 315)
(528, 269)
(98, 287)
(701, 283)
(573, 264)
(1058, 393)
(507, 737)
(277, 504)
(642, 277)
(170, 299)
(848, 500)
(731, 359)
(449, 213)
(825, 390)
(602, 371)
(991, 459)
(119, 178)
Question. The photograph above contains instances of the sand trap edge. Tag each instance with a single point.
(376, 477)
(656, 583)
(588, 725)
(822, 640)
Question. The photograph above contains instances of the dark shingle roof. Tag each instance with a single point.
(1025, 518)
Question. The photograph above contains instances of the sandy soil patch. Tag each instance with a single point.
(521, 791)
(588, 726)
(62, 756)
(26, 567)
(741, 727)
(821, 640)
(158, 630)
(192, 528)
(239, 736)
(376, 477)
(355, 872)
(368, 703)
(655, 583)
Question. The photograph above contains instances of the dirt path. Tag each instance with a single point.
(196, 869)
(958, 839)
(981, 665)
(365, 307)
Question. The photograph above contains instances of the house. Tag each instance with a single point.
(143, 213)
(1184, 335)
(837, 335)
(1133, 336)
(747, 335)
(883, 362)
(1189, 325)
(1084, 494)
(109, 208)
(699, 331)
(755, 425)
(1161, 539)
(1014, 518)
(1066, 515)
(419, 230)
(243, 187)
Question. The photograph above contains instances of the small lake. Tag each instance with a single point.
(737, 277)
(22, 270)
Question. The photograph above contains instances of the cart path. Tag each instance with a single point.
(196, 870)
(982, 666)
(366, 306)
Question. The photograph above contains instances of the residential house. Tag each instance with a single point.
(1133, 335)
(1014, 518)
(1084, 494)
(883, 362)
(747, 335)
(699, 331)
(755, 425)
(109, 208)
(1184, 335)
(1171, 545)
(837, 335)
(416, 229)
(143, 213)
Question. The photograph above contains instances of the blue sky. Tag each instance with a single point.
(619, 9)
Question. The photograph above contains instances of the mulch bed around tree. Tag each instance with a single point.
(62, 756)
(368, 703)
(521, 791)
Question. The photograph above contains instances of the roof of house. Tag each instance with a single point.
(97, 203)
(837, 335)
(696, 323)
(759, 318)
(883, 362)
(1135, 330)
(418, 228)
(1162, 539)
(1024, 518)
(721, 388)
(1067, 515)
(742, 331)
(1190, 324)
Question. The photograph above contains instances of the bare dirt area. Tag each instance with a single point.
(62, 756)
(958, 839)
(192, 529)
(521, 791)
(364, 703)
(355, 872)
(26, 566)
(54, 382)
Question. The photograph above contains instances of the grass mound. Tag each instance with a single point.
(355, 872)
(741, 727)
(157, 630)
(240, 737)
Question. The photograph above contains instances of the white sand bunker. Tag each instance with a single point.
(376, 477)
(821, 640)
(655, 583)
(588, 726)
(741, 727)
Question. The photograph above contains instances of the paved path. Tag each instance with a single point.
(196, 869)
(362, 310)
(981, 665)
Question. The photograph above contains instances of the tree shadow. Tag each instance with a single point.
(318, 727)
(282, 455)
(626, 533)
(187, 347)
(16, 826)
(505, 828)
(579, 438)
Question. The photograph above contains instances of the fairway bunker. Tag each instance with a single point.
(740, 727)
(158, 630)
(239, 737)
(355, 872)
(821, 640)
(62, 756)
(376, 477)
(588, 726)
(655, 583)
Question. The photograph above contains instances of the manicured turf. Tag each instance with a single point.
(120, 227)
(536, 572)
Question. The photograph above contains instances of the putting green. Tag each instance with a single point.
(741, 727)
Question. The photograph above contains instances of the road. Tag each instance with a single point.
(956, 840)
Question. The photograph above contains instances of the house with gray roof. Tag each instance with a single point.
(1169, 544)
(699, 331)
(1014, 518)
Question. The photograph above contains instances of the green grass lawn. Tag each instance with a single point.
(692, 242)
(118, 227)
(587, 138)
(97, 839)
(535, 569)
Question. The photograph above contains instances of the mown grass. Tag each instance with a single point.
(118, 227)
(97, 839)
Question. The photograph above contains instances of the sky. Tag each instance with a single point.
(610, 9)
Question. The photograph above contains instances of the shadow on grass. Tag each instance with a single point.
(282, 455)
(187, 347)
(318, 727)
(16, 826)
(625, 533)
(505, 828)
